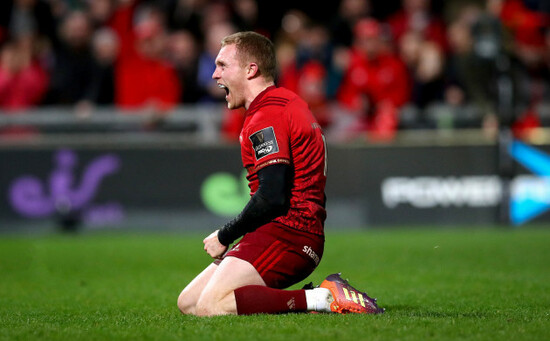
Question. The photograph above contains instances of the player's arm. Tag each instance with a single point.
(270, 201)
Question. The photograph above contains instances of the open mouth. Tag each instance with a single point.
(221, 86)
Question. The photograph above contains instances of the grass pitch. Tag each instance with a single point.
(482, 284)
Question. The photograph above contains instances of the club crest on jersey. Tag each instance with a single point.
(264, 142)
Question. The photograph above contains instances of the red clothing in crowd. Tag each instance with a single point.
(23, 88)
(289, 77)
(433, 29)
(232, 123)
(140, 80)
(525, 24)
(380, 86)
(382, 79)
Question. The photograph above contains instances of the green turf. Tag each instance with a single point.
(475, 284)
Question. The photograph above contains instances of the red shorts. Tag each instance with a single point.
(281, 255)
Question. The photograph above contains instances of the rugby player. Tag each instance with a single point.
(284, 153)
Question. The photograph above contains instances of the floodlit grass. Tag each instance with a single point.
(475, 284)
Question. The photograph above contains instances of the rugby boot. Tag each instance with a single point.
(347, 299)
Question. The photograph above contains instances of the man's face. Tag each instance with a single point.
(370, 46)
(230, 76)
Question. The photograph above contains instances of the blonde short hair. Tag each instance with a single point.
(256, 48)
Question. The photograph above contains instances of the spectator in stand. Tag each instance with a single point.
(216, 12)
(425, 62)
(536, 85)
(375, 84)
(186, 15)
(293, 26)
(184, 54)
(73, 63)
(117, 51)
(245, 16)
(312, 89)
(479, 58)
(469, 79)
(207, 65)
(106, 51)
(60, 8)
(349, 13)
(25, 27)
(527, 28)
(100, 11)
(460, 82)
(287, 65)
(215, 26)
(314, 45)
(23, 16)
(144, 80)
(526, 25)
(415, 16)
(101, 90)
(23, 81)
(313, 62)
(293, 30)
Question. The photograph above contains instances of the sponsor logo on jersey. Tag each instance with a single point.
(264, 142)
(309, 251)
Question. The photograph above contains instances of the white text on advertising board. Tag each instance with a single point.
(429, 192)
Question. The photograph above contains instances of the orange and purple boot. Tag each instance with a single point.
(347, 299)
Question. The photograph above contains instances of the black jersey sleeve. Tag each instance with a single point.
(270, 201)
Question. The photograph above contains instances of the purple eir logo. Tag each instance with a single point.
(32, 198)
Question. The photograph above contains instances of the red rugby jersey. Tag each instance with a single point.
(280, 128)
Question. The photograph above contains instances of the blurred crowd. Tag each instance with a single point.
(358, 70)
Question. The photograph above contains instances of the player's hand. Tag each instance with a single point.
(212, 245)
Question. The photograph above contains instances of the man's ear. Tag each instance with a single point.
(252, 70)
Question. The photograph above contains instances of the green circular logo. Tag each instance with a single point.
(225, 194)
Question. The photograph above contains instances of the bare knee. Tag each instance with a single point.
(206, 307)
(187, 303)
(212, 305)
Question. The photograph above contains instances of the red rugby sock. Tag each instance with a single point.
(257, 299)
